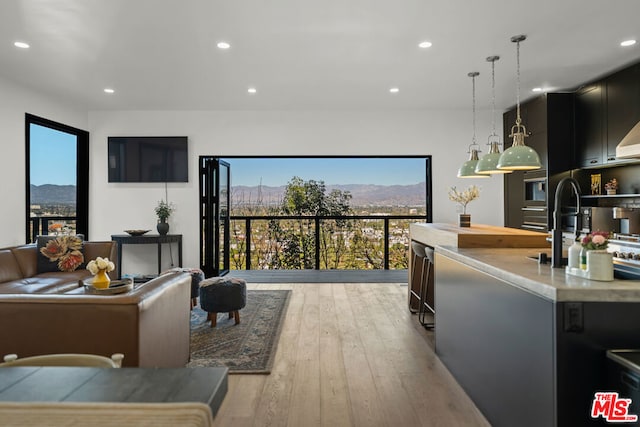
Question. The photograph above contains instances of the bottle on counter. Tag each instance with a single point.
(574, 254)
(583, 258)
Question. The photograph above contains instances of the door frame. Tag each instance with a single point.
(211, 261)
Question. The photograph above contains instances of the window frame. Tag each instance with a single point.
(82, 172)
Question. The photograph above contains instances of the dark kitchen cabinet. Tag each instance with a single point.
(589, 125)
(623, 107)
(605, 111)
(549, 123)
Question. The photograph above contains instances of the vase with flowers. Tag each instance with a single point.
(594, 256)
(163, 212)
(99, 267)
(463, 198)
(611, 186)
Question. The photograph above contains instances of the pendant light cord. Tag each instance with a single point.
(473, 76)
(473, 84)
(493, 95)
(518, 120)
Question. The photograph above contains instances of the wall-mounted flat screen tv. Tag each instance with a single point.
(148, 159)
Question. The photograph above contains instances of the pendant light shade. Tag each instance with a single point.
(519, 156)
(488, 165)
(468, 168)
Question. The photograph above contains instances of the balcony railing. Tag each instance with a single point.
(247, 238)
(40, 225)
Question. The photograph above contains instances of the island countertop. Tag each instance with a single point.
(476, 236)
(514, 266)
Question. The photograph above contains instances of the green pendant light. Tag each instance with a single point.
(468, 168)
(519, 156)
(488, 165)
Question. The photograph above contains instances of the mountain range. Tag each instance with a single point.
(362, 194)
(53, 194)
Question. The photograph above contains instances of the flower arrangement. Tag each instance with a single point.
(611, 185)
(596, 240)
(98, 264)
(464, 197)
(164, 210)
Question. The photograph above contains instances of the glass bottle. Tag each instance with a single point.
(583, 258)
(574, 254)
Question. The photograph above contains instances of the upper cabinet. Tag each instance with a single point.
(589, 125)
(605, 112)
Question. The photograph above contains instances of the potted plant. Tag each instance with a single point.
(163, 212)
(594, 256)
(611, 186)
(463, 198)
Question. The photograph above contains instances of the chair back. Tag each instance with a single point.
(70, 359)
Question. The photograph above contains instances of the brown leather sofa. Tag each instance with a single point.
(19, 269)
(51, 313)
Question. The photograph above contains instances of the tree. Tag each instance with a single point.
(310, 198)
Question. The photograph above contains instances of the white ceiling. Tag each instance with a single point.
(311, 55)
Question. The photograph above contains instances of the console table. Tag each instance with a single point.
(131, 385)
(126, 239)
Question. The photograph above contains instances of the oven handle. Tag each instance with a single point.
(530, 209)
(534, 227)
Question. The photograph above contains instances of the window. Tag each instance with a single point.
(57, 178)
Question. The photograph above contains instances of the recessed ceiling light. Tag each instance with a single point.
(252, 90)
(425, 44)
(108, 90)
(628, 43)
(21, 45)
(223, 45)
(394, 90)
(537, 89)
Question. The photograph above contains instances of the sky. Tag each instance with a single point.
(278, 171)
(52, 156)
(50, 147)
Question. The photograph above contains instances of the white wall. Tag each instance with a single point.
(15, 101)
(116, 207)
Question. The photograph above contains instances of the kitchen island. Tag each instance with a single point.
(527, 342)
(476, 236)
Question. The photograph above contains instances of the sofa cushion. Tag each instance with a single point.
(10, 268)
(27, 257)
(59, 253)
(36, 285)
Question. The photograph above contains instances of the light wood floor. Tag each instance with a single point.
(350, 354)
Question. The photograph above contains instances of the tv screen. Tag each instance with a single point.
(148, 159)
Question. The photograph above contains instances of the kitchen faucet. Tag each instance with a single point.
(556, 234)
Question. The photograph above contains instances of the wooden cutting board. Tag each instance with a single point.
(476, 236)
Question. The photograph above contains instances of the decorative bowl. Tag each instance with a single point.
(136, 232)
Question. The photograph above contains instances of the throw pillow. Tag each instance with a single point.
(59, 253)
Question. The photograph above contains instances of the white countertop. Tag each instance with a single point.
(513, 266)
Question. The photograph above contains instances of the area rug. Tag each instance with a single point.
(246, 348)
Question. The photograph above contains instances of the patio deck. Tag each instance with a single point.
(322, 276)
